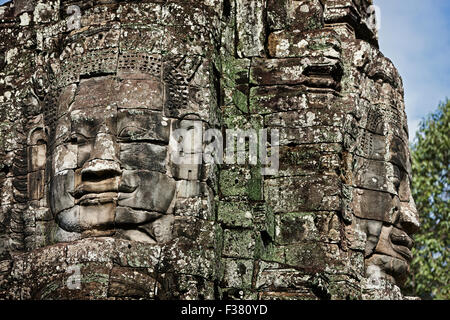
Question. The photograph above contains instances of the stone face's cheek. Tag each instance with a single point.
(153, 191)
(373, 235)
(64, 158)
(373, 175)
(69, 220)
(61, 187)
(129, 182)
(375, 205)
(143, 156)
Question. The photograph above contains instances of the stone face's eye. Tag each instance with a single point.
(77, 138)
(131, 132)
(396, 181)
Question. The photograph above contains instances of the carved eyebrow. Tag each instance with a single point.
(133, 126)
(87, 128)
(78, 135)
(131, 120)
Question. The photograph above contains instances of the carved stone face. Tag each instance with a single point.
(384, 203)
(109, 173)
(106, 96)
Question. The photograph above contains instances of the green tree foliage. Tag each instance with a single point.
(430, 276)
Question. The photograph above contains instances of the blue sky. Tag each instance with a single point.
(415, 35)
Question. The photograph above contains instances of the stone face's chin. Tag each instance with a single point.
(137, 235)
(97, 217)
(80, 218)
(384, 266)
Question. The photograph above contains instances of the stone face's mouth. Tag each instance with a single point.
(403, 251)
(392, 268)
(402, 243)
(87, 187)
(91, 193)
(393, 253)
(91, 199)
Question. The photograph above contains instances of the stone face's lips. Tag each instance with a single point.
(396, 243)
(106, 185)
(91, 199)
(402, 243)
(400, 237)
(96, 192)
(403, 251)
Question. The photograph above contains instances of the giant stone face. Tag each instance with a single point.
(385, 203)
(109, 169)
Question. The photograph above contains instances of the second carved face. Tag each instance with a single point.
(384, 204)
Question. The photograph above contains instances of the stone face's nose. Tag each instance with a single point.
(409, 216)
(408, 219)
(103, 162)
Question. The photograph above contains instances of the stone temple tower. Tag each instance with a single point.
(95, 203)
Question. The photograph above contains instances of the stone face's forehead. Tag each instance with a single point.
(111, 92)
(146, 94)
(95, 92)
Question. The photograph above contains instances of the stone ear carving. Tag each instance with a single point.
(37, 155)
